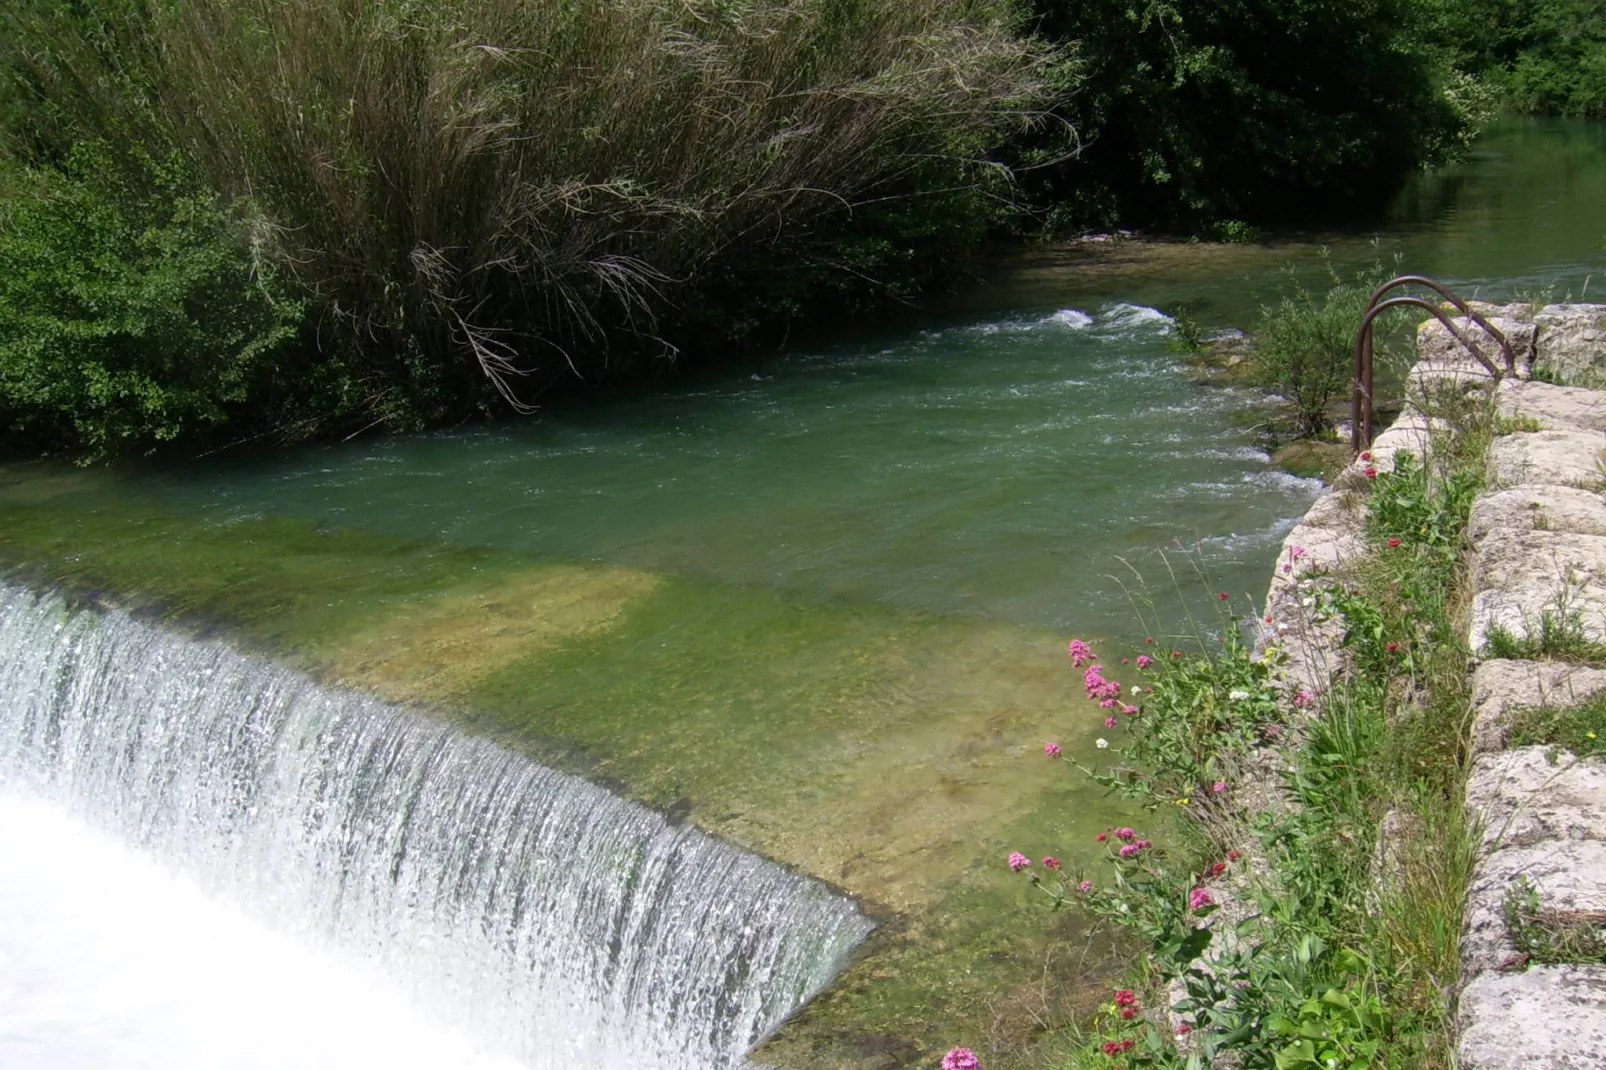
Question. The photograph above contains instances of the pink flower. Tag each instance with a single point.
(1176, 653)
(1129, 710)
(1108, 704)
(1303, 697)
(1129, 1012)
(1101, 837)
(1366, 455)
(1051, 749)
(1126, 661)
(1394, 541)
(1199, 897)
(1144, 661)
(1218, 787)
(1126, 834)
(1109, 722)
(1129, 850)
(960, 1059)
(1086, 886)
(1018, 861)
(1184, 1029)
(1233, 856)
(1141, 844)
(1218, 868)
(1391, 647)
(1370, 473)
(1051, 863)
(1148, 639)
(1080, 651)
(1223, 596)
(1296, 552)
(1125, 997)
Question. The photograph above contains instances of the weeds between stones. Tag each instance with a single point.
(1551, 936)
(1291, 918)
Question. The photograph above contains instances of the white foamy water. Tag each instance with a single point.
(291, 849)
(108, 960)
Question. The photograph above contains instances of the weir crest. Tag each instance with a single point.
(553, 921)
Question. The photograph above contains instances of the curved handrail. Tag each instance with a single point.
(1361, 397)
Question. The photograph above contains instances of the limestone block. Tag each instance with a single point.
(1500, 687)
(1568, 458)
(1555, 407)
(1523, 799)
(1545, 1018)
(1313, 649)
(1568, 874)
(1308, 549)
(1438, 348)
(1521, 311)
(1572, 342)
(1337, 509)
(1539, 507)
(1521, 575)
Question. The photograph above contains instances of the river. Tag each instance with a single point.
(815, 604)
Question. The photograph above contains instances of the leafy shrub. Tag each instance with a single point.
(1198, 111)
(1304, 350)
(129, 316)
(493, 193)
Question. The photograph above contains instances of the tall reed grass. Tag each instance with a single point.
(490, 190)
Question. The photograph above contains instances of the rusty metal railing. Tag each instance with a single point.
(1361, 399)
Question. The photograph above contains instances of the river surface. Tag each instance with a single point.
(818, 603)
(1002, 462)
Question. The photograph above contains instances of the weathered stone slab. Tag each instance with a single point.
(1572, 342)
(1336, 509)
(1566, 458)
(1521, 311)
(1568, 875)
(1539, 508)
(1500, 687)
(1524, 798)
(1313, 650)
(1546, 1018)
(1438, 348)
(1521, 575)
(1555, 407)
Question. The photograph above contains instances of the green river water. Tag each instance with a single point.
(819, 602)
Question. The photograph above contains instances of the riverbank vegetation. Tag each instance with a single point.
(225, 223)
(1292, 920)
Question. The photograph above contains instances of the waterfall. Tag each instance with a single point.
(548, 919)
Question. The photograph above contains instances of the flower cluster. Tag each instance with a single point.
(1199, 898)
(1080, 653)
(1105, 691)
(960, 1059)
(1018, 861)
(1127, 1002)
(1116, 1047)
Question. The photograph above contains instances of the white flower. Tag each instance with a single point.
(1101, 743)
(1135, 690)
(1238, 696)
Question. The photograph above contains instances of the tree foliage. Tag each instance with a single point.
(130, 314)
(1200, 111)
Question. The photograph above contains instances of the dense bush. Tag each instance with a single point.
(130, 313)
(1197, 111)
(1304, 350)
(1545, 57)
(491, 193)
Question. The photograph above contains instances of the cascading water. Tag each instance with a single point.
(536, 913)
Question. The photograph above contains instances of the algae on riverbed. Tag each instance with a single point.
(895, 754)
